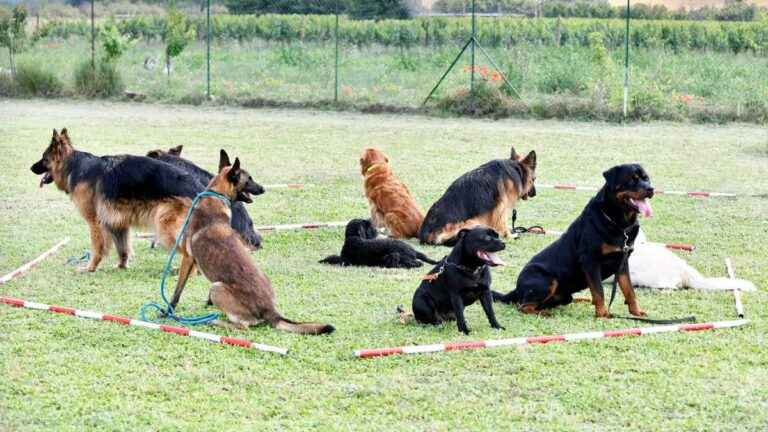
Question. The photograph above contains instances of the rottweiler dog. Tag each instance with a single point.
(241, 221)
(596, 246)
(460, 279)
(363, 247)
(482, 196)
(115, 193)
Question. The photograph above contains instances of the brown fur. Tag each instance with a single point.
(392, 205)
(240, 289)
(163, 215)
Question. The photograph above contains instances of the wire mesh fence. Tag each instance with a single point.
(574, 65)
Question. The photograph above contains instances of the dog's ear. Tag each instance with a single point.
(234, 172)
(154, 154)
(176, 151)
(513, 154)
(64, 133)
(530, 160)
(223, 159)
(612, 176)
(460, 235)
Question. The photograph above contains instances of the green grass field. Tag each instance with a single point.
(66, 373)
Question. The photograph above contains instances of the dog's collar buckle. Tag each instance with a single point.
(430, 277)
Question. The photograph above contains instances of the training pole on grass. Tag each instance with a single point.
(472, 43)
(737, 292)
(208, 49)
(180, 331)
(573, 337)
(28, 266)
(695, 194)
(626, 64)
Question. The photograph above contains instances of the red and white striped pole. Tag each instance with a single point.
(737, 292)
(573, 337)
(701, 194)
(288, 227)
(28, 266)
(676, 246)
(287, 186)
(181, 331)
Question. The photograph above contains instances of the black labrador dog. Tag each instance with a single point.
(241, 221)
(460, 279)
(596, 246)
(363, 248)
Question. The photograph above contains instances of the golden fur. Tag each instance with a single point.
(392, 205)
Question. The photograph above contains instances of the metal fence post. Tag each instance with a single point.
(93, 38)
(336, 67)
(626, 64)
(208, 50)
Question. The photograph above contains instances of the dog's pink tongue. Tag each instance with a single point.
(491, 258)
(644, 206)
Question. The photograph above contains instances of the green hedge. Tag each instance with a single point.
(493, 31)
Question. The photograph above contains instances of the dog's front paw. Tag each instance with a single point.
(602, 312)
(87, 268)
(636, 311)
(498, 327)
(464, 330)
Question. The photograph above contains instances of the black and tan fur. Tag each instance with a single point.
(482, 196)
(240, 289)
(115, 193)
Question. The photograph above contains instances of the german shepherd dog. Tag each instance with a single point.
(363, 247)
(596, 246)
(392, 205)
(241, 221)
(460, 279)
(240, 289)
(114, 193)
(482, 196)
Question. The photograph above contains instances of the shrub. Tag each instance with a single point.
(486, 100)
(8, 85)
(34, 80)
(103, 81)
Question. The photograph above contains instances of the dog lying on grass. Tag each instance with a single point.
(115, 193)
(240, 289)
(392, 205)
(591, 250)
(363, 247)
(654, 266)
(460, 279)
(482, 196)
(241, 221)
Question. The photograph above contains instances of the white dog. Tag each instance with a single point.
(652, 265)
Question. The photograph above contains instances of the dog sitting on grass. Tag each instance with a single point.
(596, 246)
(240, 289)
(392, 205)
(482, 196)
(460, 279)
(362, 247)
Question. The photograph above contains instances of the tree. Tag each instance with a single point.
(320, 7)
(115, 44)
(12, 32)
(178, 33)
(379, 9)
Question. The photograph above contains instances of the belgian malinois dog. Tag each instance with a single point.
(240, 289)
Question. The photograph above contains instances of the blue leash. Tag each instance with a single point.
(168, 311)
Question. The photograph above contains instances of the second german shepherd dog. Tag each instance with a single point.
(482, 196)
(240, 289)
(241, 221)
(114, 193)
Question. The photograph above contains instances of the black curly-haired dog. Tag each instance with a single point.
(595, 247)
(241, 221)
(460, 279)
(363, 248)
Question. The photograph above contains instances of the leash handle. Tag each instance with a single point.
(688, 319)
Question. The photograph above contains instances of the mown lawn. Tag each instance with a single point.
(66, 373)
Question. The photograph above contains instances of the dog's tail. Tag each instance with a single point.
(510, 297)
(720, 284)
(426, 259)
(332, 259)
(282, 323)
